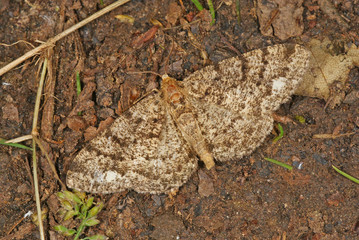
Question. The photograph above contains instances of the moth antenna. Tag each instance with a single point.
(169, 55)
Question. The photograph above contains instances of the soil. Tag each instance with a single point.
(246, 199)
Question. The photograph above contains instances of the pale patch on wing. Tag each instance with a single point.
(231, 135)
(234, 100)
(241, 82)
(142, 150)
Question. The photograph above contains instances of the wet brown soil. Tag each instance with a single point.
(246, 199)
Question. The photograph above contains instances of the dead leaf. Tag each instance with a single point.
(285, 17)
(329, 63)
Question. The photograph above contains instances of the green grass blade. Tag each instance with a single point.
(211, 10)
(238, 12)
(78, 84)
(18, 145)
(281, 133)
(346, 175)
(198, 5)
(279, 163)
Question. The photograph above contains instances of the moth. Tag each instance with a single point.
(219, 113)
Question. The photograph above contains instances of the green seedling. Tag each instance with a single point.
(3, 142)
(211, 8)
(279, 163)
(198, 5)
(281, 133)
(346, 175)
(78, 205)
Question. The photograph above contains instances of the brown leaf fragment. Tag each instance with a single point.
(90, 118)
(205, 187)
(10, 112)
(90, 133)
(282, 18)
(104, 124)
(76, 123)
(174, 12)
(145, 37)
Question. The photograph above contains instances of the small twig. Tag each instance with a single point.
(19, 139)
(332, 136)
(53, 40)
(17, 42)
(34, 161)
(50, 162)
(28, 214)
(274, 14)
